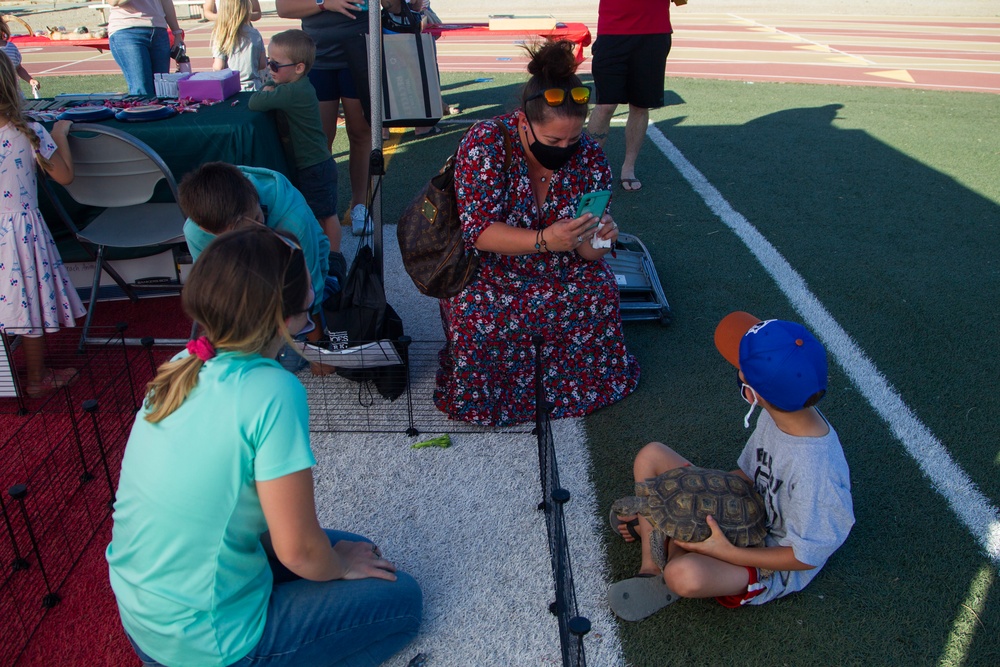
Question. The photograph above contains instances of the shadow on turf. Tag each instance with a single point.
(904, 258)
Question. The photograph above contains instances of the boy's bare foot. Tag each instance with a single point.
(626, 526)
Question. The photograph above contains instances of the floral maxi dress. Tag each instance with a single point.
(487, 367)
(36, 293)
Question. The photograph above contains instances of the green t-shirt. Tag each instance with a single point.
(297, 102)
(186, 563)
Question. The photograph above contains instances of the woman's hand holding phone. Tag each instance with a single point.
(596, 203)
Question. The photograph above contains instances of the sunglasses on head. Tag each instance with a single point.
(293, 246)
(291, 243)
(275, 66)
(556, 97)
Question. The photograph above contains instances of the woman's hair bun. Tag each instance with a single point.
(552, 62)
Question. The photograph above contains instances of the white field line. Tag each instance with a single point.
(974, 509)
(75, 62)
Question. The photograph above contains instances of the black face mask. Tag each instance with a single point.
(551, 157)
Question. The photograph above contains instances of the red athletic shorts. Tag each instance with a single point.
(754, 588)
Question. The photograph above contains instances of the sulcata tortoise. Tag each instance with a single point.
(677, 502)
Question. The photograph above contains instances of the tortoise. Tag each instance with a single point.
(677, 502)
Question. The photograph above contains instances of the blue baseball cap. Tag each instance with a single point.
(782, 361)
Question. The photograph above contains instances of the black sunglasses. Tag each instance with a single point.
(556, 97)
(274, 66)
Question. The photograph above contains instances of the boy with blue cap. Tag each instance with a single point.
(794, 461)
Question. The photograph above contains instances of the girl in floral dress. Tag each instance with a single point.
(539, 273)
(36, 295)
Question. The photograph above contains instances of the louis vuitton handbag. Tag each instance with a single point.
(430, 234)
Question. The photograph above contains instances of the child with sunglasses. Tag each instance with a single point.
(290, 56)
(216, 555)
(794, 460)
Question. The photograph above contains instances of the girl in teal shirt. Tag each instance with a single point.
(217, 557)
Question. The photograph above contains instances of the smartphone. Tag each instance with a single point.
(594, 203)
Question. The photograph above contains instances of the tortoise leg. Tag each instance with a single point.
(657, 549)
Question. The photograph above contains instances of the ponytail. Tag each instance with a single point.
(241, 290)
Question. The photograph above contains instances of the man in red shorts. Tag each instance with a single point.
(629, 64)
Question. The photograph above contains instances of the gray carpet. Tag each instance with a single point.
(463, 521)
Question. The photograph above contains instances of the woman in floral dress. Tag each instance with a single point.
(539, 273)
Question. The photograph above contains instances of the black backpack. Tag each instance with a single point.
(359, 314)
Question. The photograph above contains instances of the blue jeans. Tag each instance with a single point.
(140, 53)
(357, 622)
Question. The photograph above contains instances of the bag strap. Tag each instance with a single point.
(506, 146)
(450, 162)
(425, 84)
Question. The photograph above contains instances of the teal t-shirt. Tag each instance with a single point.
(186, 563)
(285, 210)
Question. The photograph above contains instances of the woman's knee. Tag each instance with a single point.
(359, 133)
(411, 597)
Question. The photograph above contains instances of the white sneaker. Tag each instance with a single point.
(359, 216)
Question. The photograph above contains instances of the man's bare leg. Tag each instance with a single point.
(600, 122)
(635, 134)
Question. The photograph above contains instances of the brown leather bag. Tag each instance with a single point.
(430, 234)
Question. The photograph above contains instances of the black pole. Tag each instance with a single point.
(19, 563)
(90, 407)
(18, 492)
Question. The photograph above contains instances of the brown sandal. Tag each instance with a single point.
(52, 379)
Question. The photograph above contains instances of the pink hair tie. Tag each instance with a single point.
(201, 348)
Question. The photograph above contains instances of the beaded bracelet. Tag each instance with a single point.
(540, 245)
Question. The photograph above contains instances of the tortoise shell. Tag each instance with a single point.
(679, 500)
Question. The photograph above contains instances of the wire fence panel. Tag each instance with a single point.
(59, 461)
(61, 456)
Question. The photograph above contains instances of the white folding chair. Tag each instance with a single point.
(116, 171)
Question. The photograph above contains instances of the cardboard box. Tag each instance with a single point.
(530, 23)
(166, 84)
(216, 86)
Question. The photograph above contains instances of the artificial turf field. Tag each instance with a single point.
(886, 203)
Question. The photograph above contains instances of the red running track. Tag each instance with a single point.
(959, 54)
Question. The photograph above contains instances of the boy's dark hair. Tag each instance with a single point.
(810, 402)
(298, 46)
(216, 195)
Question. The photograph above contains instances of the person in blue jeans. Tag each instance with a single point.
(137, 36)
(216, 554)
